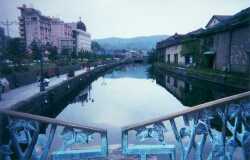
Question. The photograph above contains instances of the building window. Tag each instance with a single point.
(176, 58)
(33, 18)
(188, 60)
(168, 60)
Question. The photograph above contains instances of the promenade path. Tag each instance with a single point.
(19, 94)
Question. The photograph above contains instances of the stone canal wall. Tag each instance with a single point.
(235, 81)
(24, 78)
(50, 98)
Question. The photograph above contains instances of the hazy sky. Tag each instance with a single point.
(128, 18)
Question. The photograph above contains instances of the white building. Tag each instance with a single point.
(82, 37)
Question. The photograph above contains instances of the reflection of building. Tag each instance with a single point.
(34, 26)
(84, 96)
(192, 92)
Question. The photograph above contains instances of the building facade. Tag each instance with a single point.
(170, 50)
(223, 45)
(82, 37)
(229, 42)
(34, 26)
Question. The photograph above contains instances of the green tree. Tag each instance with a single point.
(35, 50)
(15, 50)
(97, 48)
(152, 56)
(53, 53)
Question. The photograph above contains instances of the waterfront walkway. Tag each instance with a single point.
(19, 94)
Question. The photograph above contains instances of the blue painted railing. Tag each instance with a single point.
(217, 130)
(27, 142)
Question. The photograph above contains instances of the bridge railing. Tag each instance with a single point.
(218, 129)
(26, 141)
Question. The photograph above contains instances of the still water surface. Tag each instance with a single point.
(128, 95)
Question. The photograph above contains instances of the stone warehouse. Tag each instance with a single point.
(223, 45)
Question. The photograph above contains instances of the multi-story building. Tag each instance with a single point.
(62, 35)
(34, 26)
(82, 37)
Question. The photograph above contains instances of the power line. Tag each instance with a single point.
(7, 25)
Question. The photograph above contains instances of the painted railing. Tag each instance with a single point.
(217, 130)
(27, 142)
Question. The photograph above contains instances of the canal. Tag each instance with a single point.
(135, 93)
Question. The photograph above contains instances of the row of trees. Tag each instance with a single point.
(14, 56)
(15, 52)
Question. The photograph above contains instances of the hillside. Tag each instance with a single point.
(136, 43)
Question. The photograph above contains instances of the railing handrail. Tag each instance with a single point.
(48, 120)
(193, 109)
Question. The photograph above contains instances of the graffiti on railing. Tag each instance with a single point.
(28, 141)
(212, 131)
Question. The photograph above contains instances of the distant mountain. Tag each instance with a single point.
(136, 43)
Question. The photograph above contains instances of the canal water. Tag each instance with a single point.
(135, 93)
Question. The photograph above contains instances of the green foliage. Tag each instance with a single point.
(191, 48)
(35, 50)
(91, 56)
(53, 53)
(15, 50)
(152, 56)
(96, 47)
(5, 69)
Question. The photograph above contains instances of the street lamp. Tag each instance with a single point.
(42, 86)
(1, 90)
(41, 49)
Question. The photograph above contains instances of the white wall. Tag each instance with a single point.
(172, 51)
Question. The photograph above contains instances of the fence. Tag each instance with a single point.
(27, 142)
(215, 130)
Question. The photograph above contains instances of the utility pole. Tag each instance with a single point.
(7, 25)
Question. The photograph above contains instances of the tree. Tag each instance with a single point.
(15, 50)
(152, 56)
(35, 50)
(53, 53)
(97, 48)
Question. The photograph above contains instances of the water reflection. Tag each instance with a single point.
(191, 92)
(129, 95)
(84, 97)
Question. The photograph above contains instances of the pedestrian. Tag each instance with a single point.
(5, 85)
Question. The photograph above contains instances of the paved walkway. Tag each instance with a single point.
(14, 96)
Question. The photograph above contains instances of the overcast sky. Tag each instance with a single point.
(129, 18)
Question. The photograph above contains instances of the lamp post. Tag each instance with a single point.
(42, 87)
(1, 90)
